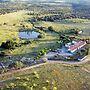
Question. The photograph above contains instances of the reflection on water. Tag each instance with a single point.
(28, 34)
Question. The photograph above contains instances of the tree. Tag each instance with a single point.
(40, 36)
(55, 88)
(17, 65)
(4, 23)
(64, 39)
(44, 88)
(9, 44)
(2, 54)
(45, 59)
(50, 28)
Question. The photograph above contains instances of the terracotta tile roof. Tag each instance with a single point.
(76, 46)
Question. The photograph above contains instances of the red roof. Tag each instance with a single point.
(77, 45)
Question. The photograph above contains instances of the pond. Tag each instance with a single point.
(28, 34)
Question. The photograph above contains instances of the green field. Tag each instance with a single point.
(48, 75)
(9, 32)
(11, 23)
(25, 62)
(64, 25)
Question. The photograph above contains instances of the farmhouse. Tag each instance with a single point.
(75, 46)
(75, 50)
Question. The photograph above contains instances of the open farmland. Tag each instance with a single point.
(66, 25)
(13, 23)
(10, 25)
(44, 46)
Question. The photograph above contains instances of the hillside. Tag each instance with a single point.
(68, 1)
(44, 45)
(63, 77)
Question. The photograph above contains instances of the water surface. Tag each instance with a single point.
(28, 34)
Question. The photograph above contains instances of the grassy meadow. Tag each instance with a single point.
(66, 25)
(46, 77)
(63, 77)
(23, 65)
(11, 23)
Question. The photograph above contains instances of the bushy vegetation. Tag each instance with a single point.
(3, 70)
(63, 20)
(25, 42)
(40, 36)
(16, 65)
(42, 53)
(50, 28)
(74, 31)
(64, 38)
(10, 44)
(45, 59)
(2, 53)
(51, 77)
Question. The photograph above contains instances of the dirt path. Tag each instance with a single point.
(20, 70)
(69, 62)
(48, 62)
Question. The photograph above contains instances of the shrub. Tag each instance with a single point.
(41, 53)
(26, 42)
(55, 88)
(26, 78)
(35, 73)
(37, 76)
(53, 83)
(47, 81)
(45, 59)
(23, 26)
(7, 87)
(17, 65)
(44, 51)
(17, 78)
(34, 85)
(9, 44)
(2, 54)
(50, 28)
(24, 84)
(31, 88)
(14, 24)
(1, 71)
(12, 85)
(73, 31)
(4, 23)
(44, 88)
(40, 36)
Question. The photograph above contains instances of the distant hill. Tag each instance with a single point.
(67, 1)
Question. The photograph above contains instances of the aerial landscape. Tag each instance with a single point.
(44, 45)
